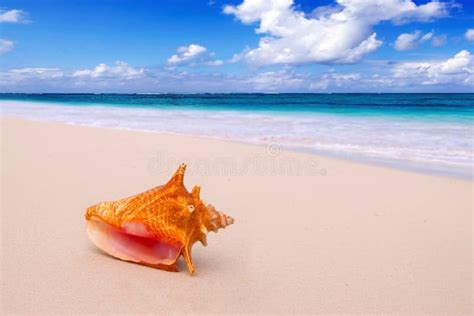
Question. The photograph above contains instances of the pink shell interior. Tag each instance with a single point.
(133, 243)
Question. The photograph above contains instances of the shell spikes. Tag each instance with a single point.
(156, 227)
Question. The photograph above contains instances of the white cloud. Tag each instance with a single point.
(451, 74)
(469, 35)
(238, 57)
(13, 16)
(18, 75)
(214, 62)
(333, 79)
(121, 70)
(193, 54)
(42, 73)
(187, 53)
(457, 70)
(409, 41)
(332, 34)
(6, 46)
(283, 80)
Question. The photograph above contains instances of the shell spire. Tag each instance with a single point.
(157, 226)
(178, 176)
(218, 219)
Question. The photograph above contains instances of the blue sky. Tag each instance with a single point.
(236, 46)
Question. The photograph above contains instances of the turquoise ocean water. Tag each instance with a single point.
(428, 132)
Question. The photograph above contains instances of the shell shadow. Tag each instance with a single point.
(180, 264)
(204, 265)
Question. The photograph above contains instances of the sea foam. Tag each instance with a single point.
(437, 146)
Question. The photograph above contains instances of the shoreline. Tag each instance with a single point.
(359, 238)
(371, 161)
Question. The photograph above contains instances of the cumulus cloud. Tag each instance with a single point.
(187, 53)
(409, 41)
(193, 54)
(451, 74)
(458, 69)
(215, 62)
(13, 16)
(6, 46)
(33, 76)
(289, 80)
(331, 34)
(469, 35)
(282, 80)
(334, 79)
(121, 70)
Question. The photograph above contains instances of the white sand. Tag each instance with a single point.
(340, 238)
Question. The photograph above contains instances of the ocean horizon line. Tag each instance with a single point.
(233, 93)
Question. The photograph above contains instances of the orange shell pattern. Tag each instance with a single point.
(155, 227)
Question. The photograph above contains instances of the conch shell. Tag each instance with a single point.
(155, 227)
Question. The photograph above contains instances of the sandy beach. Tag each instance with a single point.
(312, 234)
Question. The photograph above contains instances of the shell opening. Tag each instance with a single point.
(131, 247)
